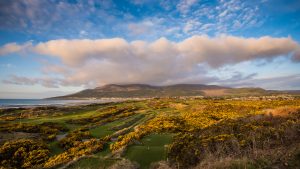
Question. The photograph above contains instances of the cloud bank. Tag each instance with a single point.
(102, 61)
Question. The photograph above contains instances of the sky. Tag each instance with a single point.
(57, 47)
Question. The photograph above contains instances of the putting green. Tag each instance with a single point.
(152, 149)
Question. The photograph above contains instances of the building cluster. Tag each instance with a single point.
(272, 97)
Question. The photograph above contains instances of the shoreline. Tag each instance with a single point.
(33, 103)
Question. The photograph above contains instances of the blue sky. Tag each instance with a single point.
(56, 47)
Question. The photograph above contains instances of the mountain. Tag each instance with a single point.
(146, 91)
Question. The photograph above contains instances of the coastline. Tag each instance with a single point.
(32, 103)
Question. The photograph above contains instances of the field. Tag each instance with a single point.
(154, 133)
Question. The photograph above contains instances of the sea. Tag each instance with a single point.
(16, 103)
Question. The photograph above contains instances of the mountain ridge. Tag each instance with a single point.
(176, 90)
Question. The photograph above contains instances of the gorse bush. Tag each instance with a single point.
(73, 138)
(80, 149)
(47, 131)
(239, 137)
(23, 153)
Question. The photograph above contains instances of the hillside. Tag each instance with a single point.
(148, 91)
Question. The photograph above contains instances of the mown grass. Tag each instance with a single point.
(75, 114)
(106, 151)
(92, 163)
(152, 149)
(62, 118)
(104, 130)
(55, 148)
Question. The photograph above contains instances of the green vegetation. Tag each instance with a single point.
(55, 148)
(161, 132)
(153, 147)
(92, 163)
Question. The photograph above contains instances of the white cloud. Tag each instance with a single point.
(140, 2)
(290, 82)
(73, 52)
(184, 5)
(226, 17)
(94, 19)
(102, 61)
(20, 80)
(54, 19)
(148, 27)
(13, 48)
(141, 28)
(190, 26)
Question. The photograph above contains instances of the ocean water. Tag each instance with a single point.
(44, 102)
